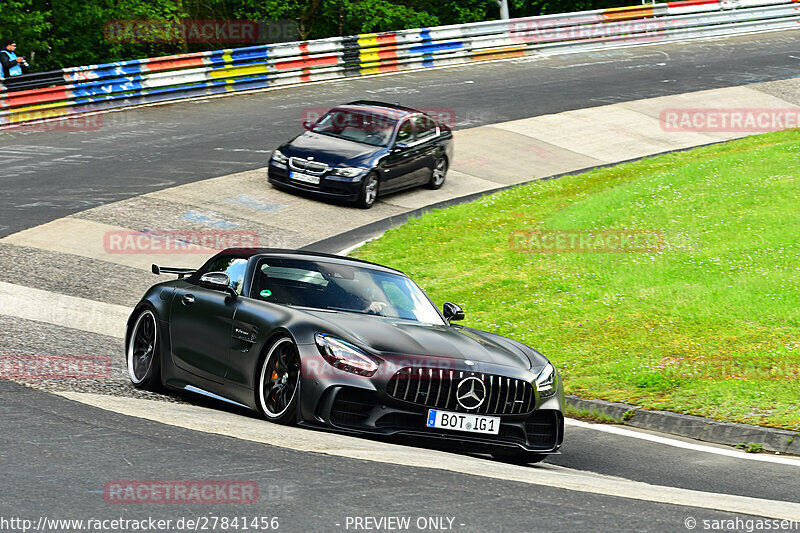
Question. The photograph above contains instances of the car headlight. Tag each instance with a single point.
(546, 381)
(348, 172)
(278, 157)
(344, 356)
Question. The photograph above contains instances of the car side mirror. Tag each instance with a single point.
(307, 124)
(452, 312)
(219, 281)
(400, 146)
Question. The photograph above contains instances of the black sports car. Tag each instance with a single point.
(358, 151)
(322, 340)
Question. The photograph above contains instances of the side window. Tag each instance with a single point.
(233, 267)
(406, 132)
(424, 126)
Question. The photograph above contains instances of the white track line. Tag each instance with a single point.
(252, 429)
(63, 310)
(355, 246)
(616, 430)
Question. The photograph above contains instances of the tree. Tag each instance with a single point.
(28, 22)
(63, 33)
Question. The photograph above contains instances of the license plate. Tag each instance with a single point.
(463, 422)
(305, 178)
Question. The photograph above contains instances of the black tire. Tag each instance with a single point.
(439, 173)
(519, 457)
(369, 191)
(278, 387)
(142, 355)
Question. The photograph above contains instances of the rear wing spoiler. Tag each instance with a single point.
(181, 272)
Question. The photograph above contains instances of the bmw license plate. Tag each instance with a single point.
(305, 178)
(463, 422)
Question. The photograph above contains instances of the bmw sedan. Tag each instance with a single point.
(332, 342)
(359, 151)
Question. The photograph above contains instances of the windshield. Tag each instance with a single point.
(358, 126)
(348, 288)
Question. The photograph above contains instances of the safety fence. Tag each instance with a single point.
(91, 88)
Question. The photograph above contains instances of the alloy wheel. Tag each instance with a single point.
(371, 190)
(280, 377)
(142, 347)
(439, 172)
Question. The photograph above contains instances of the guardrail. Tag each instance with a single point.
(74, 90)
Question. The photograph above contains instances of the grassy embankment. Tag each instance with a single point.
(709, 324)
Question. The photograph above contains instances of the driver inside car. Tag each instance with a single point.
(375, 308)
(355, 297)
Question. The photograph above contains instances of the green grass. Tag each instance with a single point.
(750, 447)
(589, 414)
(708, 325)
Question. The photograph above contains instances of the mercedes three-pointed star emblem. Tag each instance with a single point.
(471, 393)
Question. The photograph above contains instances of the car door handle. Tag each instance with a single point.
(188, 299)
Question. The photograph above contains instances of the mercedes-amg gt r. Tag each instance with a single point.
(321, 340)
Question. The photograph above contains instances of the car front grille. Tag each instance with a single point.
(304, 165)
(437, 388)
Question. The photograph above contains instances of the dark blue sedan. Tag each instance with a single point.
(361, 150)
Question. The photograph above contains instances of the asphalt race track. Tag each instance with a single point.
(57, 454)
(77, 449)
(135, 152)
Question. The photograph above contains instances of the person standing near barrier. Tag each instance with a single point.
(10, 63)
